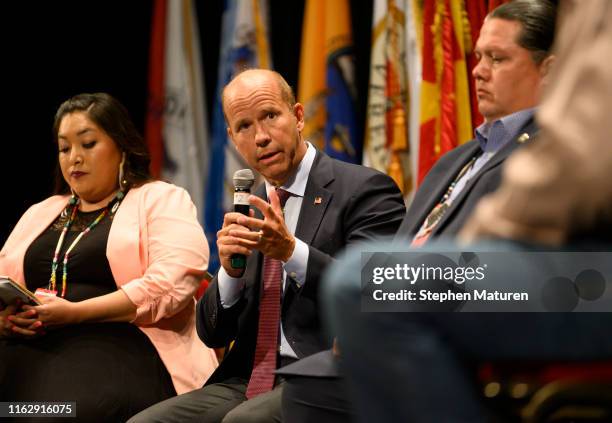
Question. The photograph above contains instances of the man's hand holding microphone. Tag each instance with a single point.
(242, 232)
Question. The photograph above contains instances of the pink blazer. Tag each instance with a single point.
(158, 254)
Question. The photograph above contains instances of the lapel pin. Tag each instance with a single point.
(524, 137)
(318, 200)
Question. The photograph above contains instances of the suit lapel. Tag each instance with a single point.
(505, 151)
(316, 198)
(315, 202)
(496, 160)
(446, 177)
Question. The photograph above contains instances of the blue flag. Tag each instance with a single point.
(244, 44)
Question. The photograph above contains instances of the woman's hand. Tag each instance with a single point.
(22, 323)
(55, 311)
(5, 324)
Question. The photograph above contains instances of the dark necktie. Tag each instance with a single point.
(264, 365)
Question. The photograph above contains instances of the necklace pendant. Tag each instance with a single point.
(436, 214)
(115, 207)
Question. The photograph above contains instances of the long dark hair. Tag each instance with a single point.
(113, 118)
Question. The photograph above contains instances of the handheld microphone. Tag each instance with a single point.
(243, 181)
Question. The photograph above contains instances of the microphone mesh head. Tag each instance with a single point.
(244, 179)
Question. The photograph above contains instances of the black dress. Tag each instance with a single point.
(111, 370)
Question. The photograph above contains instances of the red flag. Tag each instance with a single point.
(155, 107)
(476, 12)
(445, 105)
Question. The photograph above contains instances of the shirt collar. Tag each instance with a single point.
(492, 136)
(296, 184)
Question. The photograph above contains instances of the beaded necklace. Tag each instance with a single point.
(444, 204)
(74, 203)
(436, 214)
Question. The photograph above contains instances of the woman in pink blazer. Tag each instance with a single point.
(115, 259)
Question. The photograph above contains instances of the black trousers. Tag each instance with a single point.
(309, 399)
(219, 402)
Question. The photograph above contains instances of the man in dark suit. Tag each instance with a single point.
(514, 57)
(513, 52)
(328, 205)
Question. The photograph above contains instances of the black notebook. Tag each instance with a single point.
(11, 290)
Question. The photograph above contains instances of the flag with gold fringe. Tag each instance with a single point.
(326, 84)
(391, 146)
(445, 103)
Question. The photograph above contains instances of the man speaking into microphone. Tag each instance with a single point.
(309, 209)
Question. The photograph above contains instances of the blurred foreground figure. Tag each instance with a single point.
(417, 367)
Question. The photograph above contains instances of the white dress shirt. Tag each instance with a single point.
(230, 289)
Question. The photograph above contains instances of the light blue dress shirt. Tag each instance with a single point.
(492, 136)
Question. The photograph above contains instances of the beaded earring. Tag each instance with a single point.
(122, 184)
(122, 180)
(73, 200)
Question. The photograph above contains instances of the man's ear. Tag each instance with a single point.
(230, 135)
(298, 112)
(547, 65)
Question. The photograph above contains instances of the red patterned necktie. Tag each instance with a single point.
(264, 365)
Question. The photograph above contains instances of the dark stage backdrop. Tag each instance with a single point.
(53, 50)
